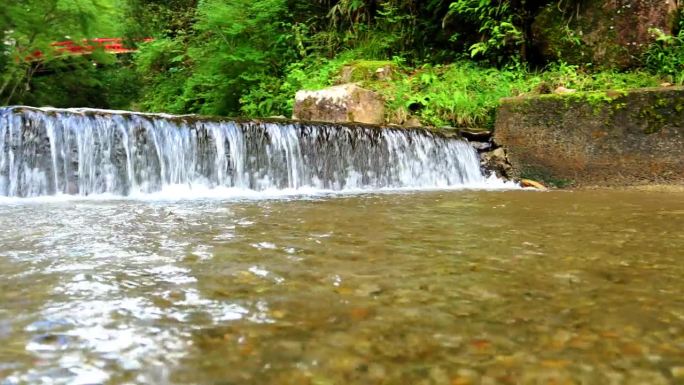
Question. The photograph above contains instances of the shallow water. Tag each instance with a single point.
(414, 288)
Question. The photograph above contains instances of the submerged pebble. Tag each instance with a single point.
(454, 288)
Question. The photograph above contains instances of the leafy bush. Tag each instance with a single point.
(561, 74)
(460, 94)
(231, 57)
(499, 26)
(666, 55)
(275, 95)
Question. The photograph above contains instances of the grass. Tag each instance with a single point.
(464, 94)
(461, 94)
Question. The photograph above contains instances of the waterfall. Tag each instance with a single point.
(80, 151)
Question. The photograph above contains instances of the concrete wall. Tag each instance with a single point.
(605, 139)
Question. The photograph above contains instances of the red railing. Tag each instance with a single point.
(88, 46)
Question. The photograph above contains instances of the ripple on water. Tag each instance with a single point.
(444, 287)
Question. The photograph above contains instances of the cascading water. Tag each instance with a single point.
(85, 152)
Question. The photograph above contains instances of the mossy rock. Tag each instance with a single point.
(367, 71)
(606, 34)
(596, 138)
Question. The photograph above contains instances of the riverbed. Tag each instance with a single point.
(450, 287)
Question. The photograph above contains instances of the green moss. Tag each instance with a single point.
(364, 70)
(662, 102)
(369, 64)
(599, 101)
(653, 118)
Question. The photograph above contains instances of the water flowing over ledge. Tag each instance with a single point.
(45, 152)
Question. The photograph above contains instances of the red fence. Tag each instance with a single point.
(88, 46)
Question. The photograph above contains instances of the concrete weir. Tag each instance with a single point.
(88, 152)
(587, 139)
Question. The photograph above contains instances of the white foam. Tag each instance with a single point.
(118, 153)
(174, 193)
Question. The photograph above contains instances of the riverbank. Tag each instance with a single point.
(580, 287)
(614, 138)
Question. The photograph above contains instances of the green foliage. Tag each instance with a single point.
(120, 84)
(231, 57)
(561, 74)
(232, 47)
(499, 26)
(168, 18)
(30, 26)
(275, 96)
(161, 67)
(666, 55)
(461, 94)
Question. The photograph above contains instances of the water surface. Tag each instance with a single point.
(423, 288)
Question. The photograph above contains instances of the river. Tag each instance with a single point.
(443, 287)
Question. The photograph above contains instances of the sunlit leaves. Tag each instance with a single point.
(30, 27)
(499, 26)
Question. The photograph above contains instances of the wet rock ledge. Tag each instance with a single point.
(588, 139)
